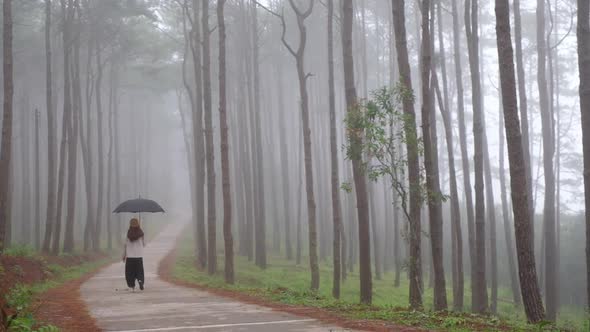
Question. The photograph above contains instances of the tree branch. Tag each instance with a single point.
(304, 14)
(284, 26)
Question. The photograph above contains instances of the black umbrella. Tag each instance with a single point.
(138, 205)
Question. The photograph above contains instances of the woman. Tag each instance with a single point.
(133, 255)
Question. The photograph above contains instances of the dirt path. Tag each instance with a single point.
(163, 306)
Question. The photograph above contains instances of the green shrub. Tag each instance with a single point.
(20, 299)
(20, 251)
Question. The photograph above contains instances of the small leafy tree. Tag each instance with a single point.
(383, 128)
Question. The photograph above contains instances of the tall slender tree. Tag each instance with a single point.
(110, 130)
(260, 221)
(100, 141)
(432, 180)
(6, 145)
(225, 180)
(209, 144)
(491, 218)
(547, 126)
(287, 203)
(529, 287)
(336, 209)
(51, 134)
(506, 215)
(66, 124)
(463, 138)
(355, 139)
(415, 263)
(74, 82)
(457, 255)
(86, 140)
(298, 53)
(456, 233)
(198, 138)
(479, 284)
(37, 193)
(583, 36)
(523, 105)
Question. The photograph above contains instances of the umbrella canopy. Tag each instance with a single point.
(139, 205)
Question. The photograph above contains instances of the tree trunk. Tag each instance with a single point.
(491, 215)
(298, 54)
(55, 246)
(548, 171)
(396, 244)
(6, 145)
(430, 164)
(285, 165)
(225, 180)
(522, 219)
(360, 184)
(248, 143)
(298, 230)
(507, 219)
(457, 243)
(9, 235)
(479, 284)
(76, 103)
(583, 36)
(260, 221)
(86, 142)
(554, 73)
(463, 139)
(246, 236)
(524, 117)
(37, 194)
(100, 146)
(457, 257)
(415, 263)
(209, 144)
(51, 135)
(111, 123)
(198, 140)
(374, 230)
(25, 178)
(336, 209)
(67, 125)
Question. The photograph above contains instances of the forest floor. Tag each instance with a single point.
(41, 291)
(285, 285)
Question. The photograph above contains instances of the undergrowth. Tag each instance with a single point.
(21, 298)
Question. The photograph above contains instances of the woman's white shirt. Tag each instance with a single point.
(134, 249)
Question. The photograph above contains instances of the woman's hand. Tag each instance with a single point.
(124, 257)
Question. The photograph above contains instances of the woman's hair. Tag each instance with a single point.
(134, 233)
(134, 222)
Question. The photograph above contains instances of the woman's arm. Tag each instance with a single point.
(124, 251)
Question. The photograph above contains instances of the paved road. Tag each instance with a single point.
(166, 307)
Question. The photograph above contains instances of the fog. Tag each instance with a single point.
(134, 117)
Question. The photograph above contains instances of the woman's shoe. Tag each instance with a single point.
(140, 285)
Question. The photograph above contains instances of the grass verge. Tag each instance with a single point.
(31, 275)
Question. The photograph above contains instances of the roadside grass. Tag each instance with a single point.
(21, 299)
(287, 283)
(20, 251)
